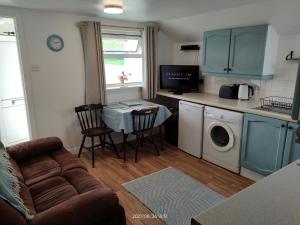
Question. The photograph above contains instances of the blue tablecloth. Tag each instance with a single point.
(118, 116)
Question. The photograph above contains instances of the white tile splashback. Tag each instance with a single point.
(275, 87)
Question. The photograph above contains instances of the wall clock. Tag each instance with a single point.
(55, 43)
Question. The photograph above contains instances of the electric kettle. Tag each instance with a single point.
(245, 92)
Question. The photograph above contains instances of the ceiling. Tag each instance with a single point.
(135, 10)
(184, 20)
(284, 16)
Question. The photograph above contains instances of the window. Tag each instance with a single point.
(123, 55)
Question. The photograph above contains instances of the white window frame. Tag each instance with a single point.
(126, 55)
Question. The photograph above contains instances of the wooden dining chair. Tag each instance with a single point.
(143, 125)
(92, 125)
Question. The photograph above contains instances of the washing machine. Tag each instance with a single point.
(222, 136)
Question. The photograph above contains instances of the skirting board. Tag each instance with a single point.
(117, 137)
(251, 175)
(117, 140)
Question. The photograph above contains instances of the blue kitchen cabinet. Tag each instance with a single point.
(216, 51)
(292, 149)
(263, 144)
(247, 50)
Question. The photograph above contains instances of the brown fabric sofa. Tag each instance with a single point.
(57, 189)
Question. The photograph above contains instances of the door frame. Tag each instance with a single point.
(16, 15)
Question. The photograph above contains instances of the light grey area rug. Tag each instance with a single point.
(173, 196)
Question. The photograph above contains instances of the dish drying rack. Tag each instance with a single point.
(276, 104)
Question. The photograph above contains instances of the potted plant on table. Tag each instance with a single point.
(123, 77)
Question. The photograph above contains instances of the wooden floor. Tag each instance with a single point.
(113, 172)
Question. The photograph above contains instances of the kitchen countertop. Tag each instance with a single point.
(274, 200)
(231, 104)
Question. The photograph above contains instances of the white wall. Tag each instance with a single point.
(123, 94)
(186, 57)
(165, 52)
(165, 48)
(58, 86)
(284, 81)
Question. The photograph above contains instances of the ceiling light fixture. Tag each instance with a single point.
(113, 9)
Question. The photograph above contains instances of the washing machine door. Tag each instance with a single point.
(220, 136)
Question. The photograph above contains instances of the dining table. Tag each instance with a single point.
(117, 116)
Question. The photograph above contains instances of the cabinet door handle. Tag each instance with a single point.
(291, 128)
(225, 69)
(229, 69)
(282, 125)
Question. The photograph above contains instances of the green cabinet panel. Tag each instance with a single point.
(239, 52)
(263, 144)
(216, 51)
(247, 50)
(292, 149)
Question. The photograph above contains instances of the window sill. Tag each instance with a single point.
(124, 87)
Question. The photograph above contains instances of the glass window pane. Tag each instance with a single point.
(121, 45)
(132, 67)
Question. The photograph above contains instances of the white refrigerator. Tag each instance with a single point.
(190, 128)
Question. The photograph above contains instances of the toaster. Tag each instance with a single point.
(229, 91)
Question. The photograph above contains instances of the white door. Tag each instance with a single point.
(190, 128)
(13, 121)
(13, 116)
(10, 73)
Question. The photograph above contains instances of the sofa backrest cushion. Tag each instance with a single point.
(31, 149)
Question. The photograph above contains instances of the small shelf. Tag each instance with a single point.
(290, 57)
(294, 59)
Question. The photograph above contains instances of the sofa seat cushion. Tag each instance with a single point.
(51, 192)
(39, 168)
(44, 167)
(82, 180)
(55, 190)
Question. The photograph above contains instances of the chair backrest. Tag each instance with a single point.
(144, 119)
(90, 116)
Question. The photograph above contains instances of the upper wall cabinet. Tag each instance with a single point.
(216, 51)
(247, 52)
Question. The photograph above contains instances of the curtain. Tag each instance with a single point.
(151, 41)
(95, 85)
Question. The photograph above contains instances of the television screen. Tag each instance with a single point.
(176, 77)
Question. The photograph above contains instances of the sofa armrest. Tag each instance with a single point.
(96, 207)
(30, 149)
(9, 215)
